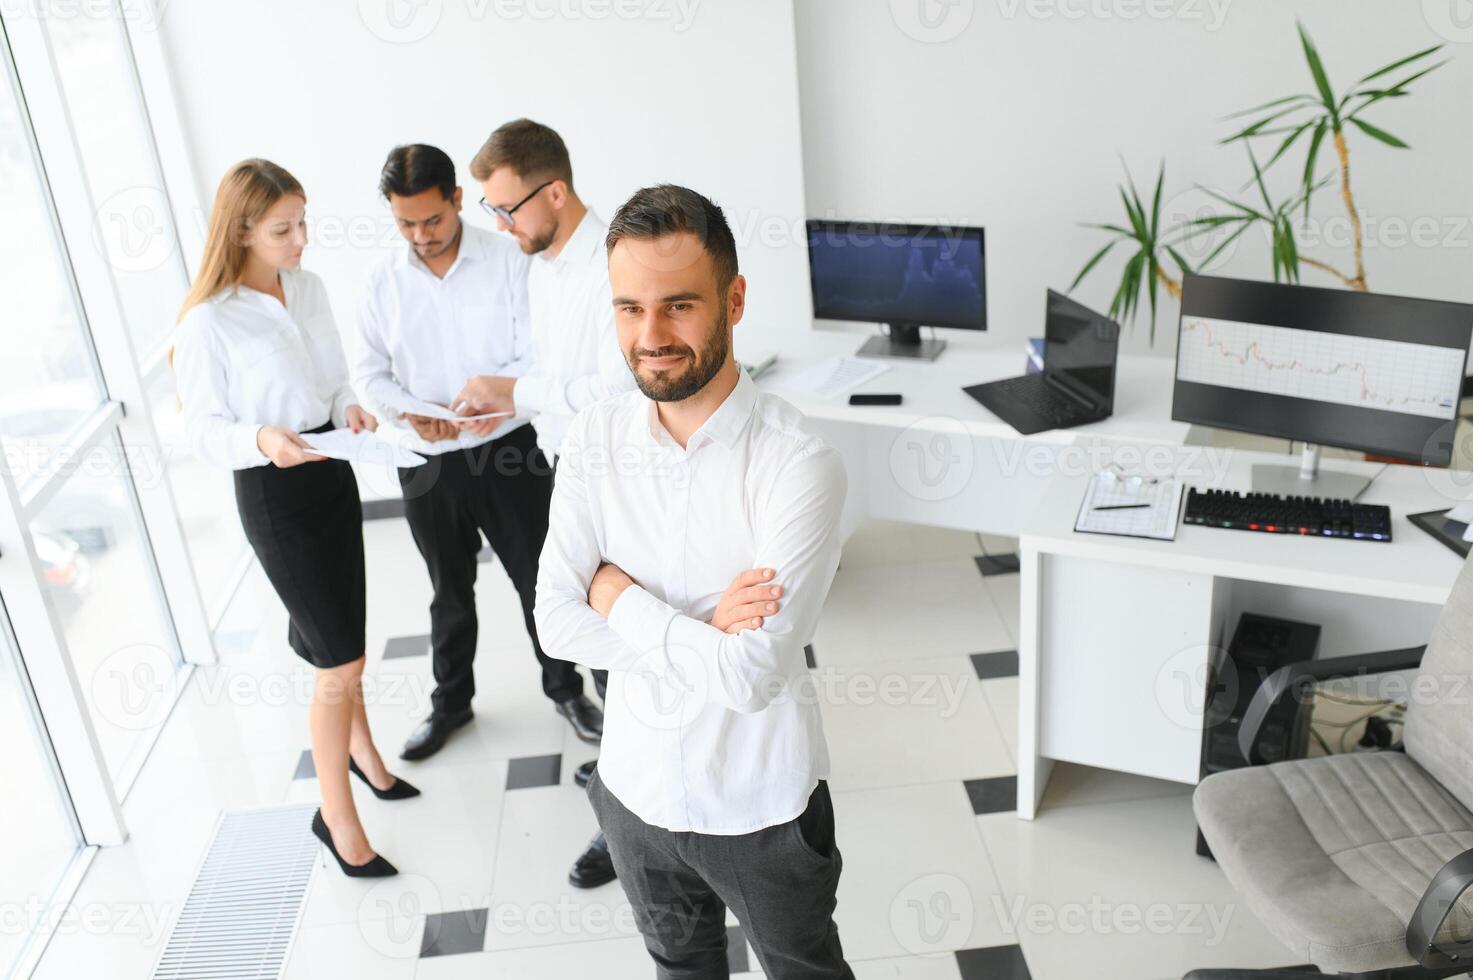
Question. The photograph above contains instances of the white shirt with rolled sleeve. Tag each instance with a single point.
(421, 336)
(243, 361)
(576, 359)
(704, 731)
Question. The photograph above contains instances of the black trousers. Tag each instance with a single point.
(780, 881)
(503, 489)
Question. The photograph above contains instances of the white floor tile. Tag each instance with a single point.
(908, 721)
(371, 949)
(1074, 785)
(442, 842)
(543, 831)
(1117, 891)
(880, 542)
(916, 878)
(609, 959)
(921, 610)
(1004, 592)
(1002, 697)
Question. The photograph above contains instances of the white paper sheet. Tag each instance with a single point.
(360, 447)
(835, 376)
(433, 411)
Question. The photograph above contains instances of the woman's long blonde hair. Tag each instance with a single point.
(247, 191)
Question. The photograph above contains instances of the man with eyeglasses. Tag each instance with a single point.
(452, 304)
(527, 177)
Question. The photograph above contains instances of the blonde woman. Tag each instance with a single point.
(259, 363)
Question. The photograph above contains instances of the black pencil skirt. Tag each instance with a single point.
(305, 524)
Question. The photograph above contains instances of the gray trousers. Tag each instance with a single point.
(780, 881)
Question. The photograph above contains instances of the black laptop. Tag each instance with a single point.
(1077, 384)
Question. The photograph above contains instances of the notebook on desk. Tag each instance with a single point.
(1130, 507)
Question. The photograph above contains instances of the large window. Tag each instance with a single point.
(104, 520)
(38, 834)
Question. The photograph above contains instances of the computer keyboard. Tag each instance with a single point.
(1052, 404)
(1307, 516)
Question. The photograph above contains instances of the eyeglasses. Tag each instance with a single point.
(505, 214)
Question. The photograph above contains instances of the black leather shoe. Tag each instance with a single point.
(585, 717)
(584, 773)
(431, 736)
(594, 867)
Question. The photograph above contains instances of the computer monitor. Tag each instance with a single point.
(907, 276)
(1079, 349)
(1332, 367)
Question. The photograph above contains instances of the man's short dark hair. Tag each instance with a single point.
(536, 152)
(416, 167)
(666, 209)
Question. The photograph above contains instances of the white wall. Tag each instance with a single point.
(643, 91)
(1013, 114)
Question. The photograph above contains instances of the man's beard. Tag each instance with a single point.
(536, 245)
(673, 385)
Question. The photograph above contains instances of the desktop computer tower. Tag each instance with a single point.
(1260, 646)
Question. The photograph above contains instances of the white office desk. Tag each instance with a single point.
(1115, 632)
(939, 457)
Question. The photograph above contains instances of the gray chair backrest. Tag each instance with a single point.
(1439, 722)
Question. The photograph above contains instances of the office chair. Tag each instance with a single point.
(1358, 862)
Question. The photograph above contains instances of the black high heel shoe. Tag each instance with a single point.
(399, 791)
(377, 868)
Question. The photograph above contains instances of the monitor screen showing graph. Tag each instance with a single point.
(1361, 371)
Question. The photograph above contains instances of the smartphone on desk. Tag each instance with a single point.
(857, 399)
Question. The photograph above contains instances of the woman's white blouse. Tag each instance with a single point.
(244, 361)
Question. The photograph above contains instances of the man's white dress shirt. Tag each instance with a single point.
(704, 731)
(243, 361)
(576, 359)
(424, 337)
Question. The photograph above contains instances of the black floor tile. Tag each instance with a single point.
(306, 768)
(450, 933)
(532, 771)
(808, 657)
(382, 510)
(736, 950)
(406, 646)
(992, 963)
(997, 564)
(993, 795)
(1001, 664)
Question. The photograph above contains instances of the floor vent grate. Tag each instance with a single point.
(242, 912)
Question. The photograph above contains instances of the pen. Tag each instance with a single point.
(1120, 506)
